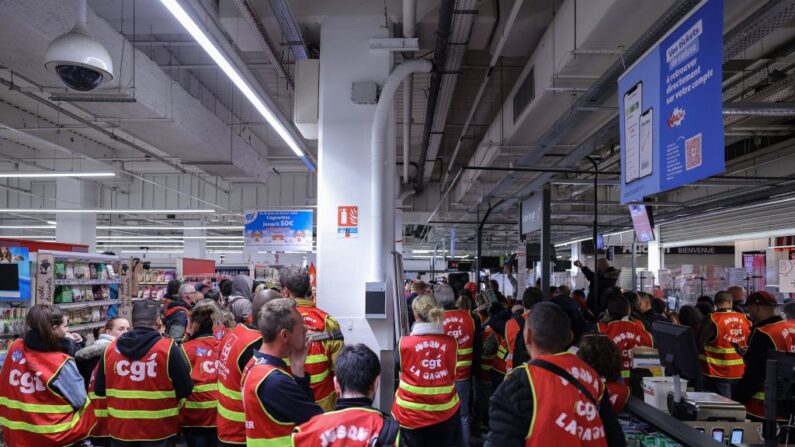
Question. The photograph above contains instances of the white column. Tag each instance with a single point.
(655, 255)
(195, 248)
(76, 228)
(344, 178)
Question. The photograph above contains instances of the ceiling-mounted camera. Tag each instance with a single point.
(81, 62)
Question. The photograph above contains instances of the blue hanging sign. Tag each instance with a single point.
(670, 107)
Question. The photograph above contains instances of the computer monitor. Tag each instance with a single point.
(678, 352)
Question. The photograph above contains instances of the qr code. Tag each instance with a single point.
(693, 156)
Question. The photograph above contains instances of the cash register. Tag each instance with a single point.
(678, 354)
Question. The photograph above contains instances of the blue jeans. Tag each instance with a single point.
(464, 390)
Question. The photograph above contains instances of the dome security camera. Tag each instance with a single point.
(81, 63)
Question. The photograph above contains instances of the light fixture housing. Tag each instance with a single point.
(182, 16)
(103, 211)
(51, 174)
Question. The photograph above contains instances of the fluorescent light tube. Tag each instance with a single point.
(104, 211)
(168, 227)
(154, 251)
(29, 237)
(49, 174)
(26, 227)
(193, 29)
(208, 238)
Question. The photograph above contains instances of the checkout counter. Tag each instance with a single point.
(681, 418)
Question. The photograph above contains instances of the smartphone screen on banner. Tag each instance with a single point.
(646, 147)
(633, 100)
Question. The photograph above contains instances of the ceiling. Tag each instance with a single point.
(175, 128)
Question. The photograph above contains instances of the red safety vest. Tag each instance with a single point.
(318, 358)
(142, 404)
(200, 408)
(261, 429)
(426, 394)
(782, 333)
(562, 415)
(100, 407)
(720, 359)
(351, 427)
(32, 413)
(626, 335)
(619, 395)
(460, 325)
(512, 330)
(231, 419)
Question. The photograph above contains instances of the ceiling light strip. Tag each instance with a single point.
(105, 211)
(168, 227)
(50, 174)
(201, 38)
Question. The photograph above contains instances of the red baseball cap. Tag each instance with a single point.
(761, 298)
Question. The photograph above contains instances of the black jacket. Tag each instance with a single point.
(572, 309)
(755, 358)
(177, 319)
(134, 345)
(511, 411)
(596, 299)
(286, 399)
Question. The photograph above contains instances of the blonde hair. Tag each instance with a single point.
(427, 309)
(207, 314)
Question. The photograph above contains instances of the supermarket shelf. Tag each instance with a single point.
(85, 304)
(87, 326)
(86, 282)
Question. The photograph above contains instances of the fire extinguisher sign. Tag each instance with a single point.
(347, 222)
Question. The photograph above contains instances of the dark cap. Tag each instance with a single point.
(761, 298)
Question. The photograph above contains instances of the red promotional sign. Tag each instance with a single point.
(347, 216)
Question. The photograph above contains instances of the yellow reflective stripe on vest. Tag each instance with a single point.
(100, 413)
(464, 351)
(134, 394)
(462, 363)
(425, 389)
(759, 396)
(485, 367)
(427, 407)
(720, 350)
(142, 414)
(625, 373)
(235, 416)
(285, 441)
(315, 358)
(317, 378)
(205, 388)
(721, 362)
(201, 405)
(232, 394)
(93, 396)
(41, 429)
(501, 351)
(35, 408)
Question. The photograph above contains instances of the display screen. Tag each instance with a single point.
(14, 274)
(642, 223)
(717, 434)
(737, 436)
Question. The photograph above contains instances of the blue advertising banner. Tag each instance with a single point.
(14, 274)
(670, 106)
(279, 230)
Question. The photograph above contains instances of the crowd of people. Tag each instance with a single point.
(250, 364)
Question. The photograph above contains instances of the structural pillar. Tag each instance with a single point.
(655, 256)
(344, 159)
(76, 228)
(195, 248)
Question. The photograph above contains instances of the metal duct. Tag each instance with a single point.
(250, 15)
(290, 30)
(760, 109)
(443, 28)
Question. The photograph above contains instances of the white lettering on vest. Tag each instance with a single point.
(27, 382)
(210, 366)
(341, 432)
(137, 370)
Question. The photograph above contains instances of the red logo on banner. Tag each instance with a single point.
(348, 216)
